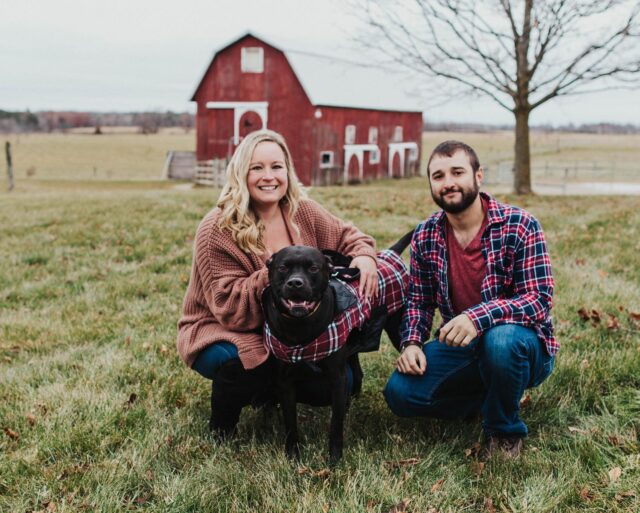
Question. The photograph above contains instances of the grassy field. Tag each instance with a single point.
(130, 156)
(97, 413)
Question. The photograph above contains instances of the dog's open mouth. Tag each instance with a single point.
(299, 308)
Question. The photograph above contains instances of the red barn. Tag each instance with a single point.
(343, 122)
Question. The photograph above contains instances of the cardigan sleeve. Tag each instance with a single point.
(334, 233)
(231, 287)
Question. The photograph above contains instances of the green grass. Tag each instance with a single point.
(91, 284)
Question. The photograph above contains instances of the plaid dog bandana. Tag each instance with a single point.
(393, 280)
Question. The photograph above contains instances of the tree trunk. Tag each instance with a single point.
(522, 162)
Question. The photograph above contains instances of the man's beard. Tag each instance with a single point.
(468, 196)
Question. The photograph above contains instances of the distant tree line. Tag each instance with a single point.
(585, 128)
(60, 121)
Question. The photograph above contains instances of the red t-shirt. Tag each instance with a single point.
(467, 268)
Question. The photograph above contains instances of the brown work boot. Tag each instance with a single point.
(509, 446)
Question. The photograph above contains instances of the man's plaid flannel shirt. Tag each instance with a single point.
(517, 288)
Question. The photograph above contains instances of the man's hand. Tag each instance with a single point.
(368, 267)
(412, 361)
(458, 332)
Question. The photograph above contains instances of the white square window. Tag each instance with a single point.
(374, 156)
(326, 159)
(373, 135)
(350, 134)
(252, 59)
(397, 134)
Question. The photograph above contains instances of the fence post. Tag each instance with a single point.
(7, 149)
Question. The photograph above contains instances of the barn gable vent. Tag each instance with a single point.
(252, 59)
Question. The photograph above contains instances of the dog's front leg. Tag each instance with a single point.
(287, 399)
(339, 401)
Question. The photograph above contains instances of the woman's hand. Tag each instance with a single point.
(368, 275)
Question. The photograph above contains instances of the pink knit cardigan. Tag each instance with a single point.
(222, 301)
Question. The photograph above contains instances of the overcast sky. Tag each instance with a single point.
(150, 54)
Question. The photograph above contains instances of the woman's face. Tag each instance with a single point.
(267, 179)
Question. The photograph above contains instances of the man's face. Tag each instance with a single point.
(454, 185)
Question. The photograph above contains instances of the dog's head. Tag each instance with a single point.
(298, 276)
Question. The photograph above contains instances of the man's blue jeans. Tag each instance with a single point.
(488, 376)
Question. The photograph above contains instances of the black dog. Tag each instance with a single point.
(299, 304)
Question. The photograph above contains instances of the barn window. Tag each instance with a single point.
(374, 156)
(326, 159)
(397, 134)
(350, 134)
(252, 59)
(373, 135)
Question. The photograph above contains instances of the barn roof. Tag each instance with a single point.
(334, 82)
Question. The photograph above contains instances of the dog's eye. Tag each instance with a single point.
(282, 268)
(314, 269)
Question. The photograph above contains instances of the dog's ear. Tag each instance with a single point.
(329, 263)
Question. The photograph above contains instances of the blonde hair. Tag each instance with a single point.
(235, 202)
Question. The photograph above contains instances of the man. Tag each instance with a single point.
(485, 266)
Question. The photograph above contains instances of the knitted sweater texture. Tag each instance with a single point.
(222, 301)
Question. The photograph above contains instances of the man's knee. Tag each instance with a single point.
(506, 343)
(397, 393)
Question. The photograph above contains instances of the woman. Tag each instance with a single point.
(261, 209)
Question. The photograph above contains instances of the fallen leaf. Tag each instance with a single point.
(621, 308)
(142, 499)
(371, 504)
(612, 322)
(477, 467)
(51, 507)
(146, 346)
(586, 494)
(408, 462)
(437, 485)
(614, 440)
(164, 349)
(603, 273)
(127, 340)
(584, 315)
(525, 400)
(635, 317)
(488, 505)
(401, 507)
(624, 495)
(584, 364)
(31, 419)
(325, 508)
(580, 261)
(595, 316)
(322, 474)
(14, 435)
(614, 474)
(472, 451)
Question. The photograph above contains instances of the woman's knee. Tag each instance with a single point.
(211, 358)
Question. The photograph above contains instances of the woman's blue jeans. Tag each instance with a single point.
(315, 392)
(488, 376)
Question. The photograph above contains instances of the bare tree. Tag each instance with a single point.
(519, 53)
